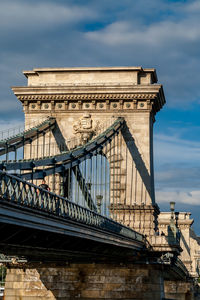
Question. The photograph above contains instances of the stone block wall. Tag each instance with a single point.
(84, 281)
(179, 290)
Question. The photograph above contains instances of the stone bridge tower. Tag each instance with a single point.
(87, 96)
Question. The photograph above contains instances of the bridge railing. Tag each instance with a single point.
(15, 191)
(19, 129)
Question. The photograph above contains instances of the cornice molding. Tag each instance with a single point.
(92, 98)
(59, 97)
(91, 102)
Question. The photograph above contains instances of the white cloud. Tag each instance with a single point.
(177, 169)
(40, 15)
(174, 150)
(186, 197)
(163, 35)
(193, 7)
(148, 33)
(156, 35)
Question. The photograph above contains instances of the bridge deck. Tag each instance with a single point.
(22, 230)
(33, 218)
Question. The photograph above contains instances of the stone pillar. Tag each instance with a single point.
(79, 98)
(84, 281)
(134, 195)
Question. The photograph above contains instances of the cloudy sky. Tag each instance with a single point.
(164, 34)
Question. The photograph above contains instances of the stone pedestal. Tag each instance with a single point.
(142, 218)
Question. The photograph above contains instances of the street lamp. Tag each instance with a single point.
(99, 202)
(172, 206)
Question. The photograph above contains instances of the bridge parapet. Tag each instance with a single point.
(165, 244)
(44, 207)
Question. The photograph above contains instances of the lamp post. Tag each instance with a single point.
(172, 207)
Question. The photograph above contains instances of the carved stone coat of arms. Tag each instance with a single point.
(86, 128)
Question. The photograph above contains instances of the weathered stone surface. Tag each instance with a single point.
(179, 290)
(84, 281)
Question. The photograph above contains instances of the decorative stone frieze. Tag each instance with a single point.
(72, 103)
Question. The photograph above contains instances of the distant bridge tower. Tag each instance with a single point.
(83, 99)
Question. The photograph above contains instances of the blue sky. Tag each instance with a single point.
(164, 34)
